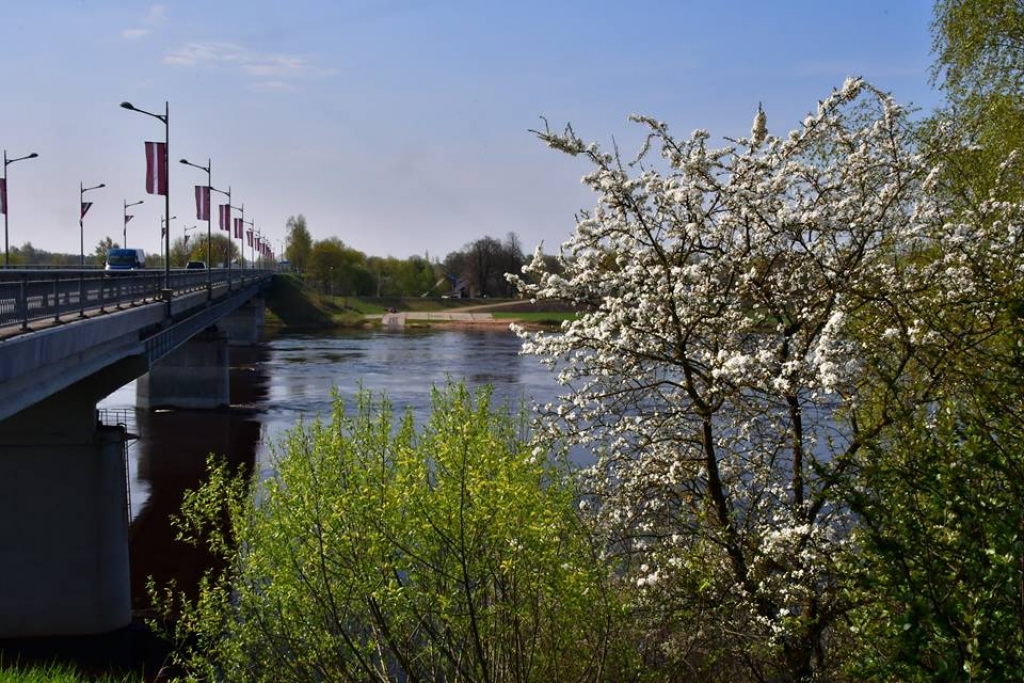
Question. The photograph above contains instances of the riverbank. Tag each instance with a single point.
(292, 306)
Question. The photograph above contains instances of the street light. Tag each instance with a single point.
(3, 201)
(184, 240)
(228, 255)
(165, 118)
(81, 220)
(126, 205)
(209, 213)
(165, 228)
(252, 243)
(241, 238)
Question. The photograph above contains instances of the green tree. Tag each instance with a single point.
(379, 552)
(298, 244)
(193, 248)
(104, 245)
(414, 276)
(979, 47)
(941, 548)
(979, 64)
(938, 578)
(180, 254)
(340, 269)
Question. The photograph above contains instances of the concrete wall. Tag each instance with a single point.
(64, 566)
(244, 326)
(195, 375)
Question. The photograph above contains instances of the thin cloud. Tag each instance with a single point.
(154, 17)
(271, 86)
(134, 33)
(274, 69)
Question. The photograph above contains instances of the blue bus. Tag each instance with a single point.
(125, 259)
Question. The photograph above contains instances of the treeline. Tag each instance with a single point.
(26, 255)
(477, 270)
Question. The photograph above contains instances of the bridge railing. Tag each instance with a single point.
(32, 295)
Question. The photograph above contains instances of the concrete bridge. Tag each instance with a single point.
(67, 340)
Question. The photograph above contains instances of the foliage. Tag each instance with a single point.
(27, 255)
(192, 247)
(939, 575)
(979, 48)
(298, 243)
(480, 268)
(339, 269)
(756, 316)
(104, 245)
(377, 552)
(292, 305)
(53, 673)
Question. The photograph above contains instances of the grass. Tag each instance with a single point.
(536, 317)
(55, 673)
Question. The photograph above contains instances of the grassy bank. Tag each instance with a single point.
(292, 305)
(55, 673)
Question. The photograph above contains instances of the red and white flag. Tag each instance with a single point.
(238, 228)
(225, 217)
(203, 202)
(85, 208)
(3, 195)
(156, 168)
(248, 237)
(128, 218)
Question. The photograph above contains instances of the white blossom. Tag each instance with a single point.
(734, 304)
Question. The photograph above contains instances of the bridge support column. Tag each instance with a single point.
(245, 324)
(64, 566)
(195, 375)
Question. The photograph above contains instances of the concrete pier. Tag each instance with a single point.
(195, 375)
(245, 325)
(64, 566)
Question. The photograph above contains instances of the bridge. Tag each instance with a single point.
(68, 338)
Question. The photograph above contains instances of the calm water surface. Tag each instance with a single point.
(272, 387)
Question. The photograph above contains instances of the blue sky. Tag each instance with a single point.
(401, 127)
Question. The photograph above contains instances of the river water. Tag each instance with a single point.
(273, 386)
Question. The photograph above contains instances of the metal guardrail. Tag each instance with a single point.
(33, 295)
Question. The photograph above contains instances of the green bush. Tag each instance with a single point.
(382, 552)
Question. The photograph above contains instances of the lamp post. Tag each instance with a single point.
(241, 238)
(184, 240)
(252, 245)
(209, 214)
(81, 220)
(228, 259)
(125, 235)
(165, 118)
(3, 203)
(165, 229)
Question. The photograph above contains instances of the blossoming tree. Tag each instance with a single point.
(751, 317)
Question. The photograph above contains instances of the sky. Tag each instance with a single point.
(401, 127)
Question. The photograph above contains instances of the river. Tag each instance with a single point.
(273, 386)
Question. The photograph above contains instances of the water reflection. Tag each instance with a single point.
(272, 387)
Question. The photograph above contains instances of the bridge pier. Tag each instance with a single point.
(195, 375)
(64, 566)
(245, 324)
